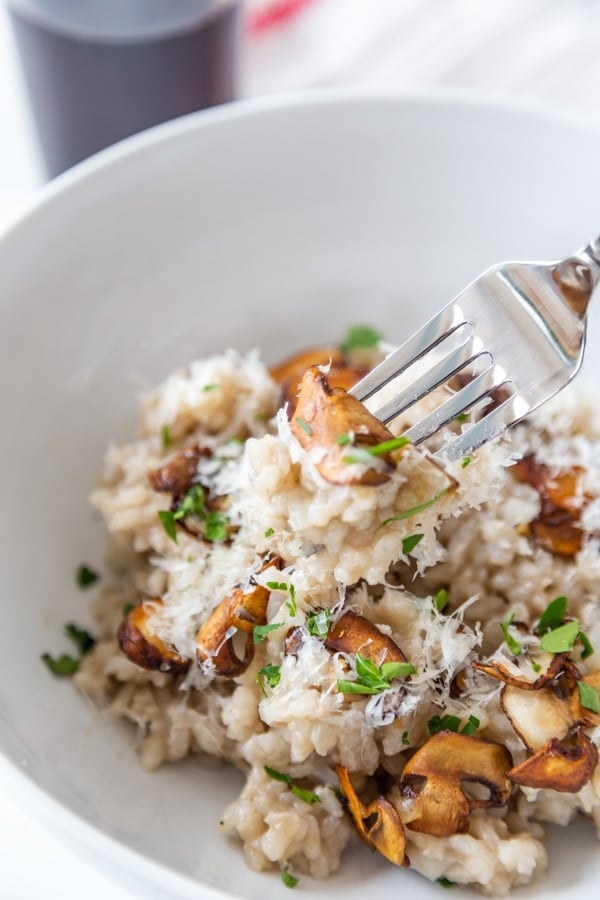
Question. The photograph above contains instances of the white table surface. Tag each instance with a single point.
(547, 51)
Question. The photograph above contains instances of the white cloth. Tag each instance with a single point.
(546, 50)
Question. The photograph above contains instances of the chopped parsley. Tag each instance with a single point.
(362, 454)
(304, 425)
(359, 336)
(84, 576)
(415, 510)
(82, 639)
(449, 722)
(588, 696)
(210, 387)
(216, 527)
(193, 504)
(561, 639)
(302, 794)
(405, 739)
(261, 631)
(409, 543)
(445, 882)
(463, 417)
(283, 586)
(167, 518)
(166, 437)
(553, 615)
(513, 645)
(440, 600)
(535, 666)
(127, 608)
(270, 675)
(466, 461)
(288, 879)
(64, 665)
(318, 622)
(586, 644)
(343, 439)
(269, 532)
(372, 679)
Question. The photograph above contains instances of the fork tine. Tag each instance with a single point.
(449, 320)
(461, 402)
(461, 357)
(512, 410)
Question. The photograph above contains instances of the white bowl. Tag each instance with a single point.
(270, 224)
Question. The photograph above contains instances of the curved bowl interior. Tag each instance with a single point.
(274, 226)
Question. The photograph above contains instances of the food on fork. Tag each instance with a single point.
(387, 648)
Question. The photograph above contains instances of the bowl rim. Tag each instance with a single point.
(96, 845)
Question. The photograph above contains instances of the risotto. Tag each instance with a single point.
(387, 647)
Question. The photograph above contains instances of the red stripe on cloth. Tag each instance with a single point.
(275, 13)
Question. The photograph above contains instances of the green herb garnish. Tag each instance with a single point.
(343, 439)
(409, 543)
(405, 739)
(288, 879)
(466, 461)
(588, 695)
(535, 666)
(513, 645)
(372, 679)
(283, 586)
(63, 665)
(440, 600)
(301, 793)
(561, 639)
(210, 387)
(216, 527)
(269, 532)
(127, 608)
(359, 336)
(165, 436)
(270, 674)
(85, 576)
(449, 722)
(553, 615)
(463, 417)
(445, 882)
(362, 454)
(586, 644)
(261, 631)
(415, 510)
(82, 639)
(304, 425)
(167, 517)
(318, 622)
(193, 504)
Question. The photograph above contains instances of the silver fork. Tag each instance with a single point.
(516, 334)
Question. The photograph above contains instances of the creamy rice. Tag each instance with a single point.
(288, 525)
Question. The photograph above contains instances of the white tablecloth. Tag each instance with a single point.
(544, 50)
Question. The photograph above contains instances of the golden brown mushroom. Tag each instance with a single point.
(326, 415)
(142, 646)
(536, 716)
(580, 713)
(564, 766)
(496, 669)
(353, 633)
(432, 781)
(557, 527)
(378, 824)
(176, 476)
(288, 374)
(240, 611)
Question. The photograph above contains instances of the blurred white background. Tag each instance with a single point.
(544, 52)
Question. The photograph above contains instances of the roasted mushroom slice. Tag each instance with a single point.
(496, 669)
(581, 713)
(564, 766)
(432, 781)
(139, 642)
(557, 528)
(536, 716)
(288, 374)
(241, 610)
(176, 476)
(378, 824)
(325, 418)
(353, 633)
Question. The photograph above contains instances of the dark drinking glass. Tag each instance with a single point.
(100, 70)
